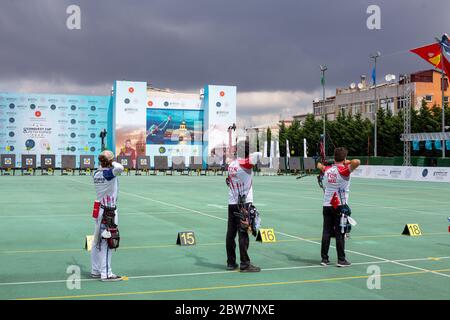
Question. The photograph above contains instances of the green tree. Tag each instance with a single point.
(311, 131)
(390, 129)
(295, 139)
(425, 120)
(282, 136)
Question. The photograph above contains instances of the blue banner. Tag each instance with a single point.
(374, 75)
(447, 144)
(437, 144)
(174, 132)
(416, 145)
(429, 145)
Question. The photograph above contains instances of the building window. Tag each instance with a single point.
(356, 108)
(428, 98)
(318, 111)
(445, 99)
(401, 102)
(387, 104)
(370, 106)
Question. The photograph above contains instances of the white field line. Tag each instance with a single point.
(378, 206)
(176, 275)
(285, 234)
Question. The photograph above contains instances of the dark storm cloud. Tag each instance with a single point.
(269, 49)
(255, 44)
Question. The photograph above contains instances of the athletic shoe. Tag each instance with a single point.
(325, 262)
(112, 278)
(232, 267)
(251, 268)
(95, 276)
(343, 263)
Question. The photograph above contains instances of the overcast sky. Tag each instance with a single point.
(269, 49)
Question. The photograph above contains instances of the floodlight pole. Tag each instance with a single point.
(323, 68)
(375, 145)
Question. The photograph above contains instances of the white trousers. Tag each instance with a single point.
(101, 260)
(101, 254)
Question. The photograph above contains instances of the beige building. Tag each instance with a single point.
(274, 129)
(360, 98)
(300, 118)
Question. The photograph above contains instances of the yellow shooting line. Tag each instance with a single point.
(122, 248)
(202, 244)
(253, 285)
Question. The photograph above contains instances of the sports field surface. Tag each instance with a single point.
(44, 221)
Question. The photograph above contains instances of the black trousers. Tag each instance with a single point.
(244, 241)
(331, 228)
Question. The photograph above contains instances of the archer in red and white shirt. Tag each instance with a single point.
(240, 196)
(336, 183)
(240, 177)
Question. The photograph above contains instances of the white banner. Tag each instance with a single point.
(433, 174)
(288, 152)
(272, 152)
(220, 114)
(305, 149)
(130, 108)
(277, 148)
(265, 150)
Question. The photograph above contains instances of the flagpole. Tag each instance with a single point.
(441, 45)
(443, 95)
(375, 144)
(323, 68)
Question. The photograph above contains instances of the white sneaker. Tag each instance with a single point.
(95, 276)
(112, 277)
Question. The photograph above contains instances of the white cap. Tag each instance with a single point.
(108, 154)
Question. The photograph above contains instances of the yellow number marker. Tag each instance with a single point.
(186, 238)
(266, 235)
(412, 229)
